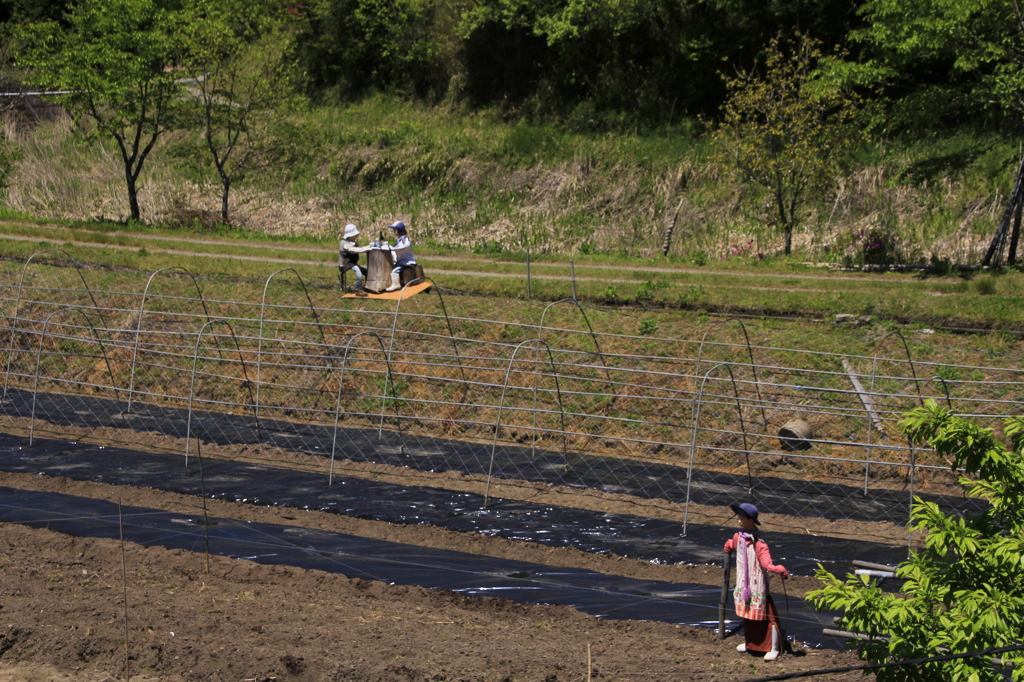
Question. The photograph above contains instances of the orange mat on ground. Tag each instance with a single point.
(395, 295)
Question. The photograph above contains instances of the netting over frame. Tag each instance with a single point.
(532, 395)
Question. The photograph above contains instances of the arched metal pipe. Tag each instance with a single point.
(590, 330)
(391, 342)
(341, 384)
(750, 354)
(17, 304)
(693, 436)
(540, 337)
(945, 389)
(447, 321)
(871, 391)
(192, 382)
(501, 405)
(263, 315)
(39, 356)
(142, 311)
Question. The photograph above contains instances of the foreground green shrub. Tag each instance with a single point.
(963, 590)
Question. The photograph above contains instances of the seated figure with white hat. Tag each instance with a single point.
(348, 254)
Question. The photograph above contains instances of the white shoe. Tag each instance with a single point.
(741, 647)
(396, 282)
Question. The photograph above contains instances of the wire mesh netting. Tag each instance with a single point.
(461, 389)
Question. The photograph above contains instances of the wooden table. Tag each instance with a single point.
(378, 270)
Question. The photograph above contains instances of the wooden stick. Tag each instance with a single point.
(853, 635)
(865, 397)
(202, 491)
(726, 566)
(528, 293)
(572, 276)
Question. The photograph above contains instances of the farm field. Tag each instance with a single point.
(669, 257)
(631, 378)
(64, 614)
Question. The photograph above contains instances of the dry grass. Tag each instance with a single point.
(591, 200)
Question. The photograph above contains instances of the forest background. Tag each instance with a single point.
(565, 126)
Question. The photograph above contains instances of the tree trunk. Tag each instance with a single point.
(133, 196)
(994, 254)
(1015, 234)
(224, 200)
(133, 158)
(785, 220)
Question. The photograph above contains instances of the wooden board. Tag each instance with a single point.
(395, 295)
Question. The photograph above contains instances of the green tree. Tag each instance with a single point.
(941, 59)
(937, 56)
(787, 131)
(22, 11)
(115, 64)
(621, 63)
(351, 47)
(598, 55)
(962, 592)
(237, 54)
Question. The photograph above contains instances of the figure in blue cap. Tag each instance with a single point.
(751, 596)
(401, 254)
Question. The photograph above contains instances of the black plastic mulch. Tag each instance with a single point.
(657, 540)
(601, 595)
(792, 496)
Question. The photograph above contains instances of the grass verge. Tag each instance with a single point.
(784, 288)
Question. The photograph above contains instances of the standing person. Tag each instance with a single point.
(401, 254)
(752, 599)
(348, 254)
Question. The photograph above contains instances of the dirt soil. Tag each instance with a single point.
(63, 613)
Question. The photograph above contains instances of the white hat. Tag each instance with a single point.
(351, 231)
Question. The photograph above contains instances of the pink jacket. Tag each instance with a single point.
(764, 557)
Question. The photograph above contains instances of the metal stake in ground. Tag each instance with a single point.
(787, 646)
(723, 600)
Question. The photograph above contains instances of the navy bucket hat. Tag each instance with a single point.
(746, 509)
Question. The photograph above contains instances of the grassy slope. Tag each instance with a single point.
(766, 288)
(471, 179)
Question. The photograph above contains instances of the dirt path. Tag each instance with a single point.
(330, 260)
(535, 264)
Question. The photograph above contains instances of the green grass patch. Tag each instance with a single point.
(773, 288)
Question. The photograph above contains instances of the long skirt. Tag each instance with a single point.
(759, 632)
